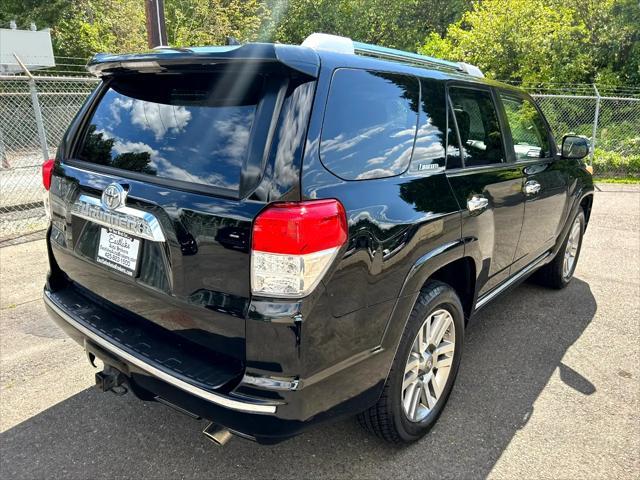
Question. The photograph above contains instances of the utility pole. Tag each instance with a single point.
(156, 31)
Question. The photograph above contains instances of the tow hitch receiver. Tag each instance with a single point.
(110, 379)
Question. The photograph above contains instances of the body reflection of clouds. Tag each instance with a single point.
(395, 156)
(374, 214)
(294, 126)
(340, 142)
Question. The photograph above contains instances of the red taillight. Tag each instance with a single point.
(294, 244)
(47, 173)
(299, 228)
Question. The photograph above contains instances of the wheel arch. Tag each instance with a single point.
(586, 202)
(461, 276)
(447, 263)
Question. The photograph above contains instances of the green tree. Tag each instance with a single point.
(614, 39)
(80, 28)
(523, 40)
(208, 22)
(91, 26)
(392, 23)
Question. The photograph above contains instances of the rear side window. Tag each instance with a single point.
(369, 124)
(477, 121)
(190, 127)
(528, 130)
(429, 150)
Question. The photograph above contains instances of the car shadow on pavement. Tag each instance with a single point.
(512, 349)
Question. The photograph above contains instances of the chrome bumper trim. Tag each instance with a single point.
(160, 374)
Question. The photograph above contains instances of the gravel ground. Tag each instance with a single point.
(548, 388)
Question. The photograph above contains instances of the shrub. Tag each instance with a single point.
(607, 163)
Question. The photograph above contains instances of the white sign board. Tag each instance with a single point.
(32, 47)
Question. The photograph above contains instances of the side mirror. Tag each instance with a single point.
(574, 147)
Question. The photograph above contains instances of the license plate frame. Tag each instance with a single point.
(118, 251)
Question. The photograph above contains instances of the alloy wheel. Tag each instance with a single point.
(571, 249)
(429, 365)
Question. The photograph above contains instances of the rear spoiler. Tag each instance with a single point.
(300, 59)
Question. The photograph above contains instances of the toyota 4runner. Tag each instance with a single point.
(269, 236)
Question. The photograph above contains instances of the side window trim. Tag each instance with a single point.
(552, 141)
(505, 129)
(451, 115)
(550, 138)
(509, 159)
(422, 115)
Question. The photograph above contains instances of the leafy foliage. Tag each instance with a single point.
(528, 41)
(208, 22)
(532, 41)
(537, 41)
(392, 23)
(98, 146)
(612, 164)
(89, 26)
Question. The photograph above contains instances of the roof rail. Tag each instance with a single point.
(335, 43)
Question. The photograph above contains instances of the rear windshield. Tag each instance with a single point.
(188, 127)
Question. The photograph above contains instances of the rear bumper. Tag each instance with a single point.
(61, 314)
(256, 418)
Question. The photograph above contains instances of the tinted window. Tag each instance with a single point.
(428, 151)
(194, 128)
(528, 130)
(478, 125)
(370, 124)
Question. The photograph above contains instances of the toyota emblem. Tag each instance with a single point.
(113, 196)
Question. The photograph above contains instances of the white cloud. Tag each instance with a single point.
(376, 160)
(159, 118)
(118, 104)
(170, 170)
(133, 147)
(233, 137)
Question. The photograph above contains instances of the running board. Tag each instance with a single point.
(482, 301)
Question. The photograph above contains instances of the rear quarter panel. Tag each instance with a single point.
(393, 222)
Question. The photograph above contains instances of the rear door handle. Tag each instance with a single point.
(531, 187)
(477, 203)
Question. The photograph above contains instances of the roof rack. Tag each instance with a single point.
(335, 43)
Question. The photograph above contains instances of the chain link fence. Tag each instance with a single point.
(35, 112)
(612, 123)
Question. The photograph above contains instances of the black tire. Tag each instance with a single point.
(387, 418)
(552, 274)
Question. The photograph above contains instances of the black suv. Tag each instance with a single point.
(269, 236)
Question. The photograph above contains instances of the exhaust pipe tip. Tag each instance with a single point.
(217, 434)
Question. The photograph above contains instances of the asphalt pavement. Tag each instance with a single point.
(548, 388)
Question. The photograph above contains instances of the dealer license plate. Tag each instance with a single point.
(118, 250)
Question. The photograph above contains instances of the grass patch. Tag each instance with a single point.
(616, 180)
